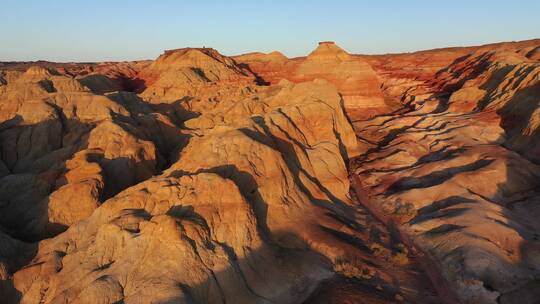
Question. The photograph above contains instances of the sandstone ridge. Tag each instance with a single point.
(331, 178)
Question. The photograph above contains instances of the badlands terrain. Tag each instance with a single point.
(331, 178)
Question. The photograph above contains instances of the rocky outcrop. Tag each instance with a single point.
(254, 206)
(277, 172)
(192, 72)
(456, 172)
(353, 77)
(334, 178)
(65, 150)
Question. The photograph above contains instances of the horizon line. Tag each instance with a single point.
(449, 47)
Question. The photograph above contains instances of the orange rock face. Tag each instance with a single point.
(457, 170)
(353, 77)
(331, 178)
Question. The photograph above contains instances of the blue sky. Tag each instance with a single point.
(73, 30)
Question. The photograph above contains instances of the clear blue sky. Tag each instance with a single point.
(77, 30)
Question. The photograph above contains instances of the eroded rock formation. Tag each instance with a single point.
(332, 178)
(457, 170)
(354, 78)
